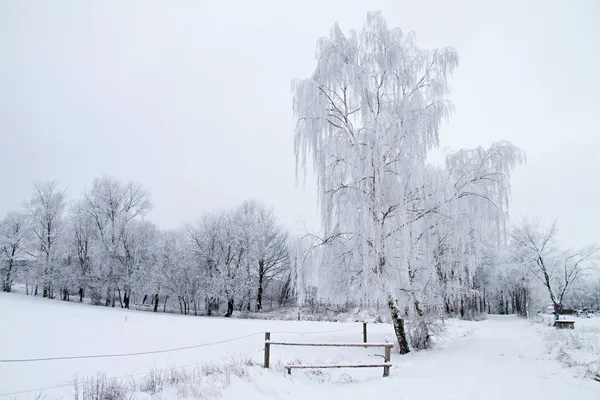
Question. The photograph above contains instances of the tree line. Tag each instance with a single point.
(101, 247)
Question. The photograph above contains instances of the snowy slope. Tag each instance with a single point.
(503, 357)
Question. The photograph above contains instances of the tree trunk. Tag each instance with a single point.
(126, 297)
(230, 304)
(261, 279)
(165, 304)
(8, 284)
(484, 300)
(144, 299)
(155, 302)
(81, 293)
(513, 303)
(398, 326)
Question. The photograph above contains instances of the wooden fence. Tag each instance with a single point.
(385, 365)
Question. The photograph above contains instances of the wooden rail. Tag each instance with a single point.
(386, 364)
(290, 367)
(390, 345)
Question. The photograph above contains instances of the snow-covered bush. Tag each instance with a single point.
(198, 381)
(101, 387)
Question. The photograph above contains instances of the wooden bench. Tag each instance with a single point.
(562, 324)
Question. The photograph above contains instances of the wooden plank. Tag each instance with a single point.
(290, 367)
(390, 345)
(339, 366)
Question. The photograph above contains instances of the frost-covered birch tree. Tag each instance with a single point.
(368, 116)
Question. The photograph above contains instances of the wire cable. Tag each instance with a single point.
(142, 353)
(126, 354)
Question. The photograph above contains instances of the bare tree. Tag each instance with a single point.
(82, 231)
(269, 243)
(12, 244)
(557, 270)
(46, 209)
(113, 205)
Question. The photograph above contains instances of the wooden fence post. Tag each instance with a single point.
(364, 332)
(267, 349)
(387, 358)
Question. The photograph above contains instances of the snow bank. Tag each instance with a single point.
(577, 348)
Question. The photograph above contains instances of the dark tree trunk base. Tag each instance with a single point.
(399, 328)
(230, 306)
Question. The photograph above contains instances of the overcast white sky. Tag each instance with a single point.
(192, 98)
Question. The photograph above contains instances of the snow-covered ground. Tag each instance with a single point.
(579, 348)
(503, 357)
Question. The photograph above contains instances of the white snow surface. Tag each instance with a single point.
(500, 358)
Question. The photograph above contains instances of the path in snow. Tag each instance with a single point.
(503, 358)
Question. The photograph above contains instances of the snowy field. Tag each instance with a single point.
(503, 357)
